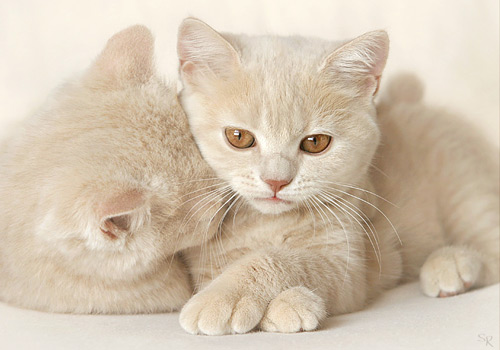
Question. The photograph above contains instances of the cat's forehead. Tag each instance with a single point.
(283, 52)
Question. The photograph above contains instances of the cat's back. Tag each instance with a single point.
(431, 165)
(426, 136)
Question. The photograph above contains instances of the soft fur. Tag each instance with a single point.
(403, 188)
(97, 192)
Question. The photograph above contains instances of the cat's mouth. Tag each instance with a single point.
(272, 205)
(274, 199)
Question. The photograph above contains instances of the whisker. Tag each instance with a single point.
(217, 234)
(346, 237)
(203, 194)
(204, 188)
(236, 212)
(343, 208)
(376, 208)
(364, 217)
(359, 189)
(308, 206)
(194, 180)
(379, 170)
(205, 240)
(208, 199)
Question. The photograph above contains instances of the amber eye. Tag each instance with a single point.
(240, 138)
(315, 143)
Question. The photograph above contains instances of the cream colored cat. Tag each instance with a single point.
(337, 199)
(101, 188)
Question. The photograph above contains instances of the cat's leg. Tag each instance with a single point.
(454, 269)
(450, 271)
(282, 286)
(472, 226)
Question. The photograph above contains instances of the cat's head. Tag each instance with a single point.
(282, 118)
(119, 179)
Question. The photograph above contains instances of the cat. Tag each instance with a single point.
(101, 189)
(336, 198)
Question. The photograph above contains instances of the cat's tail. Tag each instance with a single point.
(403, 88)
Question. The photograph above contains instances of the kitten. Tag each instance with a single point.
(336, 200)
(101, 189)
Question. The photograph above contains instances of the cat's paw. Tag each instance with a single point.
(216, 312)
(294, 310)
(449, 271)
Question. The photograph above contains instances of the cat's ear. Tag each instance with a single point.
(359, 62)
(204, 54)
(123, 213)
(126, 59)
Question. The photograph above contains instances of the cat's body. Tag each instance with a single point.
(96, 192)
(317, 234)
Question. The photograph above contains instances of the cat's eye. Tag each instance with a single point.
(315, 143)
(240, 138)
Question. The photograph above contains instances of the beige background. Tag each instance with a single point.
(451, 44)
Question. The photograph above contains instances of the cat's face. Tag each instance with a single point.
(281, 119)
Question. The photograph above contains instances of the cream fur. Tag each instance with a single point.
(97, 192)
(402, 185)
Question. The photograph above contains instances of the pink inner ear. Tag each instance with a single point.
(114, 213)
(187, 67)
(372, 83)
(377, 80)
(208, 53)
(123, 203)
(109, 230)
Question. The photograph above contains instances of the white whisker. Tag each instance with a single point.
(204, 188)
(375, 207)
(359, 189)
(211, 197)
(346, 237)
(338, 205)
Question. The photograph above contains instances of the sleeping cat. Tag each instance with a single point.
(101, 189)
(336, 199)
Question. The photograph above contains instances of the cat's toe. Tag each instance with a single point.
(205, 313)
(449, 271)
(188, 317)
(218, 313)
(294, 310)
(247, 314)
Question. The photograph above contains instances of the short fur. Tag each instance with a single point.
(402, 189)
(97, 191)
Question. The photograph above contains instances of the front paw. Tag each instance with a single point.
(215, 311)
(294, 310)
(449, 271)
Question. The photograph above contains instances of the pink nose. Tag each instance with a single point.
(277, 185)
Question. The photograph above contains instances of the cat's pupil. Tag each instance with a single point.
(237, 134)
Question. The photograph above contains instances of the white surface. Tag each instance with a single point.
(452, 44)
(401, 319)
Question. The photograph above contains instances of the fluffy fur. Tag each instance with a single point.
(97, 192)
(402, 189)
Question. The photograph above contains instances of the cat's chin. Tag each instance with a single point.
(271, 205)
